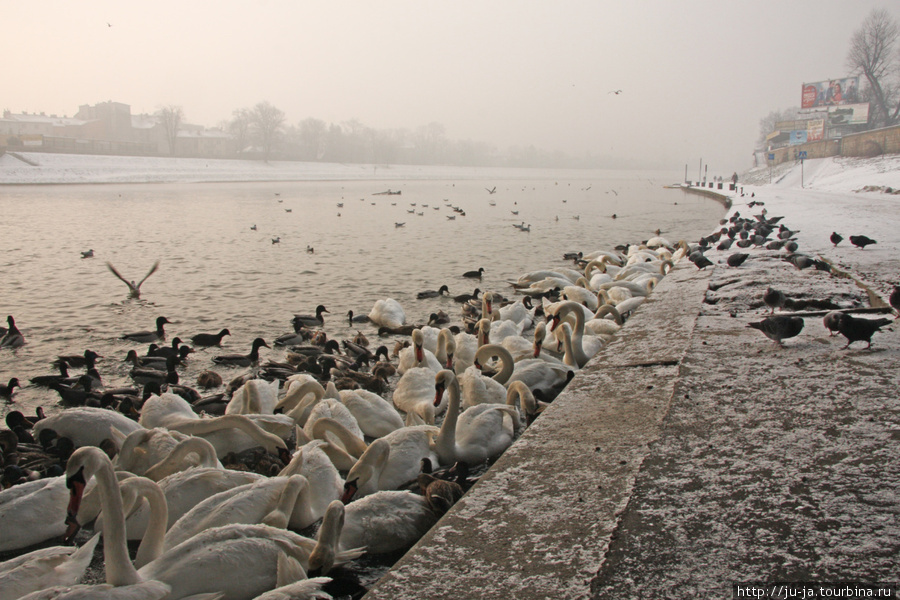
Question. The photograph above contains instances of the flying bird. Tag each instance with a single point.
(87, 253)
(779, 327)
(859, 329)
(493, 190)
(861, 241)
(836, 238)
(616, 92)
(774, 298)
(134, 289)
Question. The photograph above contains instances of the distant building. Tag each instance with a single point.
(110, 128)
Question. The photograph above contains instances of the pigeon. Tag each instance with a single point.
(774, 298)
(894, 299)
(858, 329)
(702, 262)
(836, 238)
(861, 241)
(801, 261)
(831, 321)
(737, 259)
(779, 327)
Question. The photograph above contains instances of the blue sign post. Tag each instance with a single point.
(802, 156)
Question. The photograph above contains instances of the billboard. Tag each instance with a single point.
(830, 93)
(848, 114)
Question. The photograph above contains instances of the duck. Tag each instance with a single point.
(194, 566)
(474, 274)
(87, 360)
(209, 339)
(316, 320)
(13, 338)
(433, 293)
(475, 435)
(388, 313)
(134, 289)
(352, 319)
(149, 336)
(243, 360)
(6, 391)
(463, 298)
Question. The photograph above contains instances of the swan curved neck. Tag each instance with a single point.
(119, 570)
(152, 545)
(445, 442)
(506, 359)
(173, 462)
(267, 440)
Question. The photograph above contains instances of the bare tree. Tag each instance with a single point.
(767, 124)
(268, 124)
(170, 117)
(239, 126)
(872, 53)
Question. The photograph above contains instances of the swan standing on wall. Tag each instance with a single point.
(388, 313)
(203, 564)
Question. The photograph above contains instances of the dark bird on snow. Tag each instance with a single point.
(242, 360)
(474, 274)
(861, 241)
(801, 261)
(857, 329)
(209, 339)
(894, 299)
(831, 322)
(737, 259)
(433, 293)
(774, 298)
(702, 262)
(316, 320)
(88, 253)
(836, 238)
(134, 289)
(779, 327)
(149, 336)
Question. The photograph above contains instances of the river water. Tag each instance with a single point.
(215, 271)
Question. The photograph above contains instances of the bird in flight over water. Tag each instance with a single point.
(134, 288)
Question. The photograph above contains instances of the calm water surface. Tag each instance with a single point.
(216, 272)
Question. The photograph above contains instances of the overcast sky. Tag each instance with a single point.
(696, 75)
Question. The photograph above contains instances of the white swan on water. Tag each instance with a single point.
(85, 425)
(391, 461)
(388, 313)
(195, 566)
(44, 568)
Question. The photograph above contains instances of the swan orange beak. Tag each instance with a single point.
(449, 364)
(438, 393)
(537, 349)
(554, 323)
(420, 355)
(76, 485)
(350, 490)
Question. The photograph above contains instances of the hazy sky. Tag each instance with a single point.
(696, 75)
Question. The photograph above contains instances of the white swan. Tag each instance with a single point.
(583, 347)
(183, 491)
(301, 396)
(256, 396)
(385, 521)
(268, 501)
(228, 433)
(195, 566)
(86, 426)
(479, 433)
(325, 483)
(332, 409)
(519, 396)
(391, 461)
(44, 568)
(414, 392)
(388, 313)
(156, 453)
(478, 389)
(376, 416)
(417, 356)
(601, 325)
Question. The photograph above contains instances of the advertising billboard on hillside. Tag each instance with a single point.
(852, 114)
(830, 93)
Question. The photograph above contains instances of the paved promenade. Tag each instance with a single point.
(692, 453)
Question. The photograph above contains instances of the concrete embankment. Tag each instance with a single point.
(692, 453)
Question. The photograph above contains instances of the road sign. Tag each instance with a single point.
(801, 155)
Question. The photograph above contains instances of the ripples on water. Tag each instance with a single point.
(216, 272)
